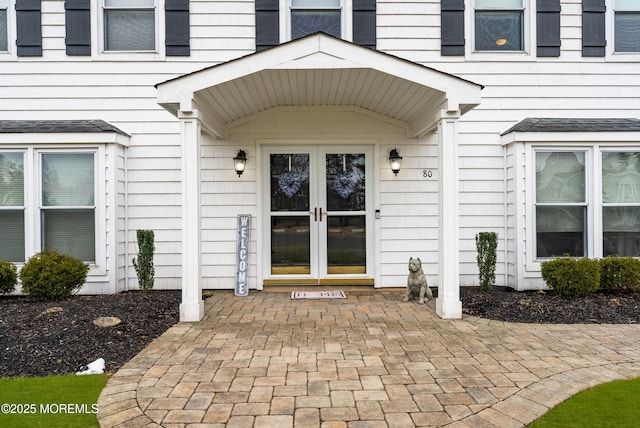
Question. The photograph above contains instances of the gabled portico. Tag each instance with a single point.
(315, 72)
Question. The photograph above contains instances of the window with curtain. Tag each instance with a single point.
(68, 204)
(621, 204)
(129, 25)
(627, 25)
(499, 25)
(4, 29)
(311, 16)
(12, 232)
(560, 204)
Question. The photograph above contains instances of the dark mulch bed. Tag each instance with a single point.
(39, 339)
(544, 307)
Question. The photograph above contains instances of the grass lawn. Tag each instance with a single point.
(613, 404)
(57, 401)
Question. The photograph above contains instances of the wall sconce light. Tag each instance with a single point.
(395, 160)
(239, 162)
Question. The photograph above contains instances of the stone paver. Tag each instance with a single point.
(370, 360)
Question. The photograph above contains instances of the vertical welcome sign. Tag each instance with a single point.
(242, 255)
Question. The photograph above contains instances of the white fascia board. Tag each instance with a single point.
(65, 138)
(570, 137)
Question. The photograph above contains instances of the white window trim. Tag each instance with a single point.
(528, 42)
(346, 16)
(10, 53)
(97, 37)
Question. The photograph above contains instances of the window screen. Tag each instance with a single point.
(12, 207)
(561, 204)
(499, 25)
(311, 16)
(4, 30)
(68, 207)
(627, 26)
(129, 25)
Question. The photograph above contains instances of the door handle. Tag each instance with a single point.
(320, 213)
(315, 214)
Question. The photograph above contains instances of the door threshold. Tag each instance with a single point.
(316, 282)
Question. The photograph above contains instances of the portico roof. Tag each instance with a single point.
(317, 71)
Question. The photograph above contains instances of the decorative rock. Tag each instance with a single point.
(106, 321)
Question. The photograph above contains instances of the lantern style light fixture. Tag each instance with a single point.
(239, 162)
(395, 160)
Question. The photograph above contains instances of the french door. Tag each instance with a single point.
(318, 214)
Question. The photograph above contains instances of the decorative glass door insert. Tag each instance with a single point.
(318, 213)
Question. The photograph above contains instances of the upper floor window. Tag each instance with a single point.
(129, 25)
(311, 16)
(499, 25)
(627, 25)
(4, 29)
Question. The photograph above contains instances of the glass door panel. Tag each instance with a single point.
(346, 245)
(290, 245)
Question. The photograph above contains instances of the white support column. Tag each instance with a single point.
(448, 304)
(192, 306)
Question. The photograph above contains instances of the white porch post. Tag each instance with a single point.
(192, 306)
(448, 304)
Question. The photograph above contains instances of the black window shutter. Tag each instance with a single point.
(177, 29)
(267, 24)
(594, 39)
(452, 27)
(29, 28)
(548, 27)
(364, 23)
(78, 26)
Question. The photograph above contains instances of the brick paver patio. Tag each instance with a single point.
(370, 360)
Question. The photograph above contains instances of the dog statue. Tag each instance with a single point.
(417, 283)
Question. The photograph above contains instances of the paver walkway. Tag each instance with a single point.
(370, 360)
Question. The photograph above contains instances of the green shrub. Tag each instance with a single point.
(8, 277)
(144, 264)
(572, 276)
(486, 244)
(620, 274)
(50, 275)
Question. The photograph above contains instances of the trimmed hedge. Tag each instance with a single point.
(8, 277)
(570, 276)
(50, 275)
(619, 275)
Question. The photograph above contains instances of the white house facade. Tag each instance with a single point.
(518, 117)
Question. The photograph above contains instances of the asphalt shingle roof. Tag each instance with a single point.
(532, 124)
(56, 126)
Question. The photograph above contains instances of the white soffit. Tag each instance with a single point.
(319, 71)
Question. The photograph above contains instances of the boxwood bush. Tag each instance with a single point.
(620, 275)
(8, 277)
(570, 276)
(50, 275)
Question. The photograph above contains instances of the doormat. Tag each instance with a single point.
(325, 294)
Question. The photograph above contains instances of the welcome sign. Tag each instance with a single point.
(242, 255)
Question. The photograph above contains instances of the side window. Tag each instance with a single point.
(499, 25)
(12, 232)
(627, 25)
(561, 204)
(620, 204)
(129, 25)
(67, 203)
(4, 28)
(310, 16)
